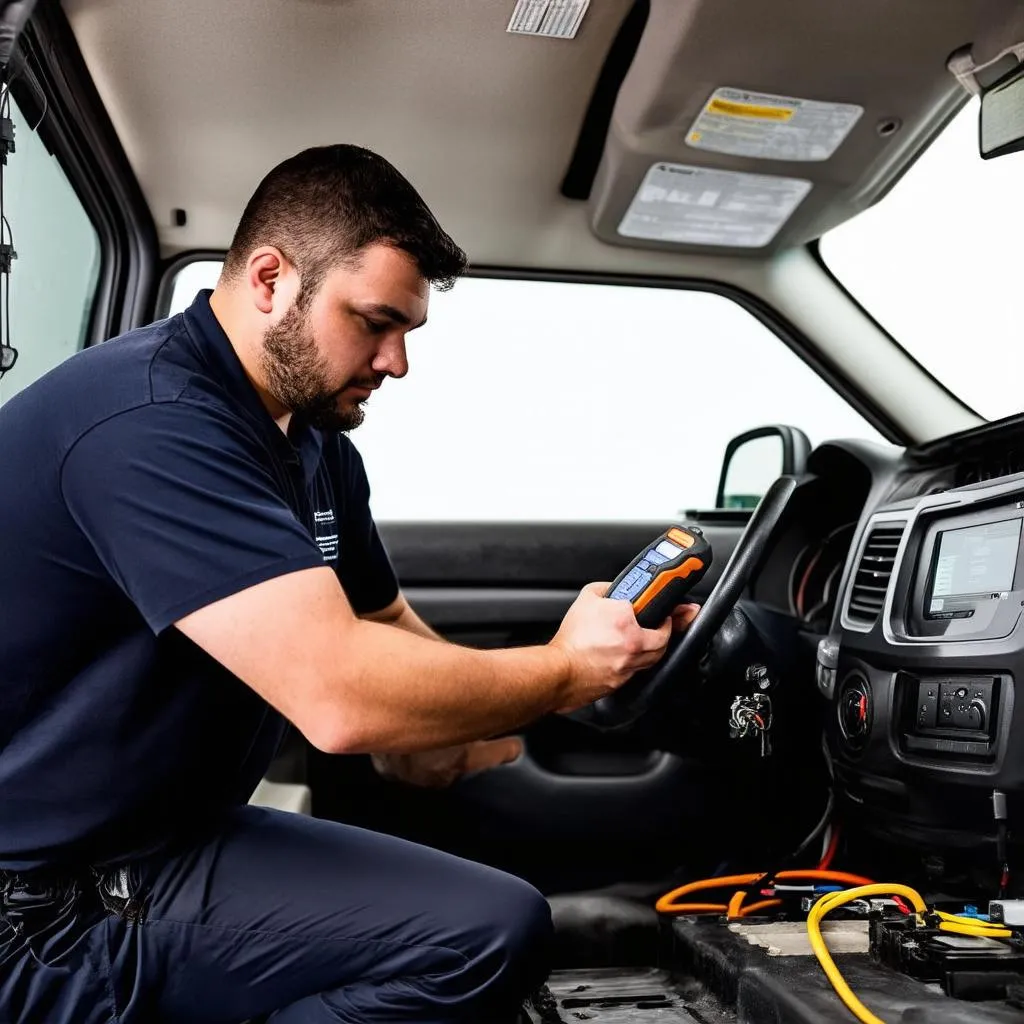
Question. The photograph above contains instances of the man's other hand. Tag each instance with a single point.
(435, 769)
(683, 615)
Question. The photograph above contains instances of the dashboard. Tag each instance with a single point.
(911, 566)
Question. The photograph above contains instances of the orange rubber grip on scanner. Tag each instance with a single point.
(691, 565)
(660, 579)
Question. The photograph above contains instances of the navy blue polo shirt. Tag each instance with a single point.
(140, 481)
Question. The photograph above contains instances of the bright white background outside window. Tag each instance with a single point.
(939, 263)
(531, 400)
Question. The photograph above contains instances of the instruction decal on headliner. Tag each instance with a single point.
(707, 206)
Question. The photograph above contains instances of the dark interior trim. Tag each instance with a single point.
(586, 157)
(75, 127)
(815, 249)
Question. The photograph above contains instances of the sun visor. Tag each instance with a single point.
(732, 133)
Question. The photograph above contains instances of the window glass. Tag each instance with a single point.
(53, 282)
(192, 278)
(537, 400)
(937, 263)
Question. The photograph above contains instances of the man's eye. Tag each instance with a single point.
(375, 326)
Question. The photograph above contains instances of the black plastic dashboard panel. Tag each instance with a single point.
(924, 722)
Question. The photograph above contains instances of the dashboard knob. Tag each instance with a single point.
(854, 709)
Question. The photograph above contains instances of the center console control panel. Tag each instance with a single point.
(921, 666)
(947, 715)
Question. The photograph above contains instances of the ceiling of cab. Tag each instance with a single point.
(206, 97)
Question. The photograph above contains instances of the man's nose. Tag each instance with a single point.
(391, 358)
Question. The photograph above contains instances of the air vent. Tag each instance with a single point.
(1006, 462)
(871, 580)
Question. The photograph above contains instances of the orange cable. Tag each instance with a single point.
(668, 904)
(761, 905)
(735, 904)
(735, 908)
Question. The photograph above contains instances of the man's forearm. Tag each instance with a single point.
(400, 613)
(403, 693)
(412, 623)
(443, 765)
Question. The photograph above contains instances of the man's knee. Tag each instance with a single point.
(512, 957)
(525, 917)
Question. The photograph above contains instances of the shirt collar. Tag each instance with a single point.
(303, 441)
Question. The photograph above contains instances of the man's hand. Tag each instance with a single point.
(606, 646)
(436, 769)
(683, 615)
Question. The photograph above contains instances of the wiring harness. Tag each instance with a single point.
(832, 889)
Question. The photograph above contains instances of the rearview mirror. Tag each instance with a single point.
(755, 459)
(1001, 122)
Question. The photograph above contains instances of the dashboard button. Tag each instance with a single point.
(928, 706)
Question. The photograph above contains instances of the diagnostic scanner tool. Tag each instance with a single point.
(660, 577)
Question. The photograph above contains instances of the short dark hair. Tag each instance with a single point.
(323, 205)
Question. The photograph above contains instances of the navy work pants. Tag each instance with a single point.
(277, 917)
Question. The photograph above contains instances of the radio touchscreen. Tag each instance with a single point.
(972, 564)
(963, 576)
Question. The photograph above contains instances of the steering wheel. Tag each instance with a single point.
(647, 688)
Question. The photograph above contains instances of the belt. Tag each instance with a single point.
(112, 885)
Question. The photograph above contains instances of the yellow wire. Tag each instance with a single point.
(970, 922)
(963, 929)
(836, 899)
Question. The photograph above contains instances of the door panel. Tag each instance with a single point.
(546, 555)
(580, 807)
(451, 609)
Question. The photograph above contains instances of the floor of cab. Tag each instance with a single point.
(617, 963)
(625, 995)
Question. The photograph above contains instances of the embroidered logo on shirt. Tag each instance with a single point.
(326, 534)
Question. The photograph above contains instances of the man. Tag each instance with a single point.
(189, 561)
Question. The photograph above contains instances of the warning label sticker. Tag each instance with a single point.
(771, 127)
(706, 206)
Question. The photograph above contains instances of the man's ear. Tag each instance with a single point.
(265, 268)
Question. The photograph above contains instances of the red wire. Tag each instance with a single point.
(830, 853)
(804, 580)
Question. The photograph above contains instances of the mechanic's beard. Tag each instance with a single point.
(297, 377)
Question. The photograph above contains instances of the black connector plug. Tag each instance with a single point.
(6, 138)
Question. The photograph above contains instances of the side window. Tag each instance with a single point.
(192, 278)
(536, 400)
(53, 281)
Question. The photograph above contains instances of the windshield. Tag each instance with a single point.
(938, 263)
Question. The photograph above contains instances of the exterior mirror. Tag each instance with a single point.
(754, 460)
